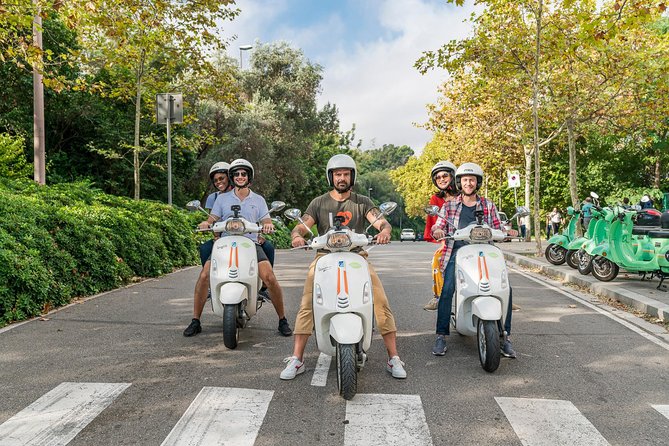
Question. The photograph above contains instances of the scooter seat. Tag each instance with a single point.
(643, 230)
(662, 233)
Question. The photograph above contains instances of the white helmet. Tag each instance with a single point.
(221, 167)
(341, 161)
(241, 163)
(469, 169)
(443, 166)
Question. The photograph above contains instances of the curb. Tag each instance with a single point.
(610, 290)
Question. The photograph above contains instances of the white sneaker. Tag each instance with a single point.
(294, 368)
(396, 368)
(432, 305)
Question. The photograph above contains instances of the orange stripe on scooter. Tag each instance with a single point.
(338, 280)
(485, 265)
(345, 283)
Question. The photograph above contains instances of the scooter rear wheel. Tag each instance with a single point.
(604, 269)
(556, 254)
(347, 370)
(230, 329)
(488, 343)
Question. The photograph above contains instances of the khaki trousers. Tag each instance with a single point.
(304, 323)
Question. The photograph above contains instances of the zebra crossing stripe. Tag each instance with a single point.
(554, 422)
(376, 419)
(59, 415)
(222, 416)
(320, 378)
(662, 408)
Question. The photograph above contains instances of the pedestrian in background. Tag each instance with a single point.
(586, 212)
(555, 220)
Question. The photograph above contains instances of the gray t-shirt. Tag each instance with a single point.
(354, 209)
(253, 209)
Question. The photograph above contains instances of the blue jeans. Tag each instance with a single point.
(446, 300)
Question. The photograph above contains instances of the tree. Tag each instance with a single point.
(149, 47)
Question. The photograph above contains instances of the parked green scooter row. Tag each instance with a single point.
(613, 241)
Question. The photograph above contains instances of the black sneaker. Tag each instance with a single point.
(264, 295)
(284, 328)
(193, 329)
(507, 349)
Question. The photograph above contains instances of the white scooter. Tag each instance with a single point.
(481, 287)
(343, 303)
(233, 276)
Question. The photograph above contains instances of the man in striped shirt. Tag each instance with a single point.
(459, 213)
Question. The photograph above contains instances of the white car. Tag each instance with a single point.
(408, 234)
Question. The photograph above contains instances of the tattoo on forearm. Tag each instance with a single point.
(375, 213)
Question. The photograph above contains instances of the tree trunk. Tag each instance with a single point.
(571, 142)
(528, 175)
(535, 118)
(138, 118)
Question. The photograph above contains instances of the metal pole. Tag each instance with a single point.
(39, 138)
(169, 150)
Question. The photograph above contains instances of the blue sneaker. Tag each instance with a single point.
(507, 349)
(439, 348)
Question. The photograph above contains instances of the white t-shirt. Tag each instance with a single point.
(253, 209)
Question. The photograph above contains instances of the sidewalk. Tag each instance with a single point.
(627, 288)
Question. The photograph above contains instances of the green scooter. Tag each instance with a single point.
(644, 250)
(556, 251)
(575, 245)
(599, 236)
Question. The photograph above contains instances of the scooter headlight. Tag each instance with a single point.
(214, 265)
(318, 294)
(235, 227)
(366, 294)
(338, 240)
(480, 234)
(505, 280)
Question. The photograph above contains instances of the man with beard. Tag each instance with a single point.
(461, 212)
(357, 210)
(253, 208)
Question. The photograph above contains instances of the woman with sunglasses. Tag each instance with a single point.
(443, 177)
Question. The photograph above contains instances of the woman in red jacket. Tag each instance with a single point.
(443, 177)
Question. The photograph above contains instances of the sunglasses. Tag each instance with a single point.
(444, 176)
(220, 179)
(240, 173)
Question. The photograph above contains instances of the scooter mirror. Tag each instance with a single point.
(594, 195)
(277, 206)
(193, 205)
(292, 214)
(636, 207)
(388, 207)
(645, 199)
(431, 210)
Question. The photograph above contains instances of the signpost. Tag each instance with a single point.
(169, 110)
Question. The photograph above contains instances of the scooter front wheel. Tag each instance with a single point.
(584, 263)
(488, 343)
(604, 269)
(556, 254)
(347, 370)
(230, 328)
(572, 258)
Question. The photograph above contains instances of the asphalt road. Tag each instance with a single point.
(583, 375)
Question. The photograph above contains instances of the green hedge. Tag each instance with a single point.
(70, 240)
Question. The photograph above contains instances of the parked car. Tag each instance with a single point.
(506, 224)
(408, 234)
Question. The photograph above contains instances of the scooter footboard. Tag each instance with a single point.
(344, 328)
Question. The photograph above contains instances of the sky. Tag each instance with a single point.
(367, 49)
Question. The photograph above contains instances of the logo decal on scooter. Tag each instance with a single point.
(246, 245)
(324, 268)
(342, 285)
(355, 265)
(494, 255)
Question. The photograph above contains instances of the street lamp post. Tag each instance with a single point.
(241, 49)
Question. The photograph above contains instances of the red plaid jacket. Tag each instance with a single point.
(452, 209)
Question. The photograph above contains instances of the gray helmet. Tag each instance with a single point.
(221, 167)
(469, 169)
(443, 166)
(341, 161)
(239, 164)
